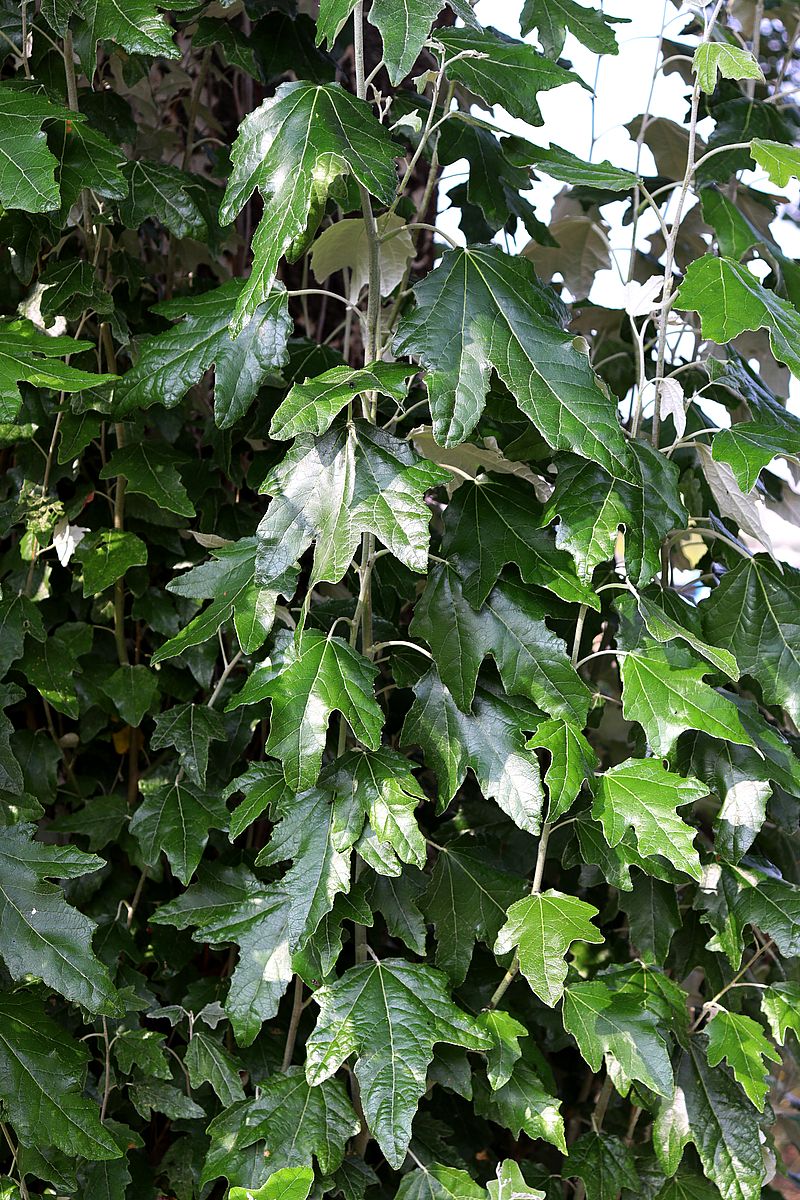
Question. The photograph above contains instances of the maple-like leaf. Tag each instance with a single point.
(482, 310)
(389, 1014)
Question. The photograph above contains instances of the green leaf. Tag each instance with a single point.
(42, 1072)
(175, 817)
(640, 794)
(772, 906)
(620, 1028)
(144, 1049)
(19, 616)
(190, 728)
(292, 149)
(309, 834)
(299, 1123)
(107, 557)
(730, 300)
(396, 899)
(88, 160)
(780, 1004)
(505, 1033)
(568, 168)
(710, 1110)
(653, 917)
(323, 675)
(29, 355)
(231, 905)
(208, 1062)
(404, 26)
(511, 1183)
(510, 626)
(149, 469)
(716, 903)
(169, 363)
(165, 193)
(734, 232)
(133, 690)
(492, 523)
(437, 1182)
(354, 479)
(270, 922)
(604, 1164)
(135, 26)
(593, 506)
(749, 447)
(687, 1185)
(552, 18)
(780, 162)
(543, 927)
(229, 581)
(289, 1183)
(663, 626)
(481, 309)
(753, 612)
(740, 1041)
(488, 739)
(378, 788)
(150, 1096)
(310, 407)
(523, 1103)
(71, 288)
(390, 1014)
(667, 696)
(51, 668)
(466, 902)
(503, 70)
(729, 61)
(27, 173)
(41, 935)
(100, 821)
(573, 762)
(741, 776)
(615, 862)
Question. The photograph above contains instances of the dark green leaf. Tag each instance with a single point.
(604, 1164)
(709, 1110)
(488, 739)
(190, 728)
(359, 1014)
(491, 523)
(149, 469)
(175, 817)
(41, 934)
(510, 626)
(466, 902)
(481, 309)
(310, 407)
(169, 363)
(42, 1072)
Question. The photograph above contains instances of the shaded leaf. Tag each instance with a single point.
(487, 739)
(169, 363)
(510, 626)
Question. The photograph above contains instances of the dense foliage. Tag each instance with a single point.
(401, 688)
